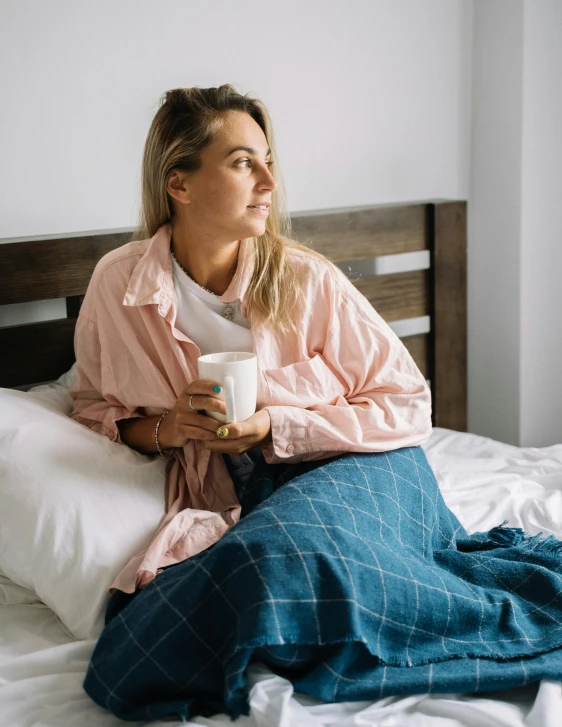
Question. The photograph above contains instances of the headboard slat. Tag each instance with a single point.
(52, 268)
(356, 234)
(397, 296)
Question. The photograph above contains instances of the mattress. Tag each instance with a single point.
(483, 481)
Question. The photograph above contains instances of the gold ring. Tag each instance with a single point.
(222, 432)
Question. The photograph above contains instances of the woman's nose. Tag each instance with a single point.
(268, 180)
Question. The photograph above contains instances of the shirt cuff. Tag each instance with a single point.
(288, 433)
(107, 426)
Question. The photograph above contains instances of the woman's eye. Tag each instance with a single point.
(242, 161)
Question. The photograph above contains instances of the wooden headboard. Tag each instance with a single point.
(409, 260)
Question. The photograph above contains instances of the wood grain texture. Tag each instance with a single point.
(397, 296)
(363, 233)
(448, 357)
(45, 269)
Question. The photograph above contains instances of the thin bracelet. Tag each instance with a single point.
(166, 453)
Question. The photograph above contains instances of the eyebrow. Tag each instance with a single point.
(249, 149)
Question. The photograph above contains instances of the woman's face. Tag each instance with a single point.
(218, 198)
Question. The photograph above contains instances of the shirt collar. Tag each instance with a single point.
(152, 279)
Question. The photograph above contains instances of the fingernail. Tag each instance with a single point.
(218, 389)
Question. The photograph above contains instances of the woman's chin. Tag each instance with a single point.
(253, 229)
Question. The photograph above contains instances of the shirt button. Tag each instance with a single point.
(290, 448)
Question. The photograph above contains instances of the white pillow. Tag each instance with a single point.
(74, 506)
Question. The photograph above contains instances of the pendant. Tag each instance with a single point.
(228, 313)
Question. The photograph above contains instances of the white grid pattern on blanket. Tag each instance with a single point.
(331, 529)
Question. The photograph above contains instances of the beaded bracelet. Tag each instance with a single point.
(166, 453)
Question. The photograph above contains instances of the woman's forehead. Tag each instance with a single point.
(239, 130)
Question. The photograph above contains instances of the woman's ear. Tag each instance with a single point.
(178, 187)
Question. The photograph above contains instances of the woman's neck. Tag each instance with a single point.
(211, 266)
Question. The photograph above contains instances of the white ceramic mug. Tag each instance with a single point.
(237, 373)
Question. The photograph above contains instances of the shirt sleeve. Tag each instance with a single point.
(378, 399)
(93, 393)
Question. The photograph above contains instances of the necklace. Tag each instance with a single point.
(228, 312)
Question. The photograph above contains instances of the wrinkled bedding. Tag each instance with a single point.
(351, 578)
(483, 482)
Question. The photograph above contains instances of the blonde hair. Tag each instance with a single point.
(187, 121)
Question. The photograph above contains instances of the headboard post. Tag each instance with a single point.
(448, 348)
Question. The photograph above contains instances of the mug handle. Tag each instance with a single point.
(229, 399)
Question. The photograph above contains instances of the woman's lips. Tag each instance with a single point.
(257, 210)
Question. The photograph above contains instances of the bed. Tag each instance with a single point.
(409, 260)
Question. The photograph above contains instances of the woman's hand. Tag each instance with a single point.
(183, 424)
(253, 432)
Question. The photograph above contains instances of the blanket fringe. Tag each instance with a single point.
(505, 537)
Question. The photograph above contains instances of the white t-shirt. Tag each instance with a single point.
(200, 317)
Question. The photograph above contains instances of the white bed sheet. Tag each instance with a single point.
(483, 481)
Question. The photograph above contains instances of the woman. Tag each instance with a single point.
(347, 572)
(210, 270)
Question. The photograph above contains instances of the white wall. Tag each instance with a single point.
(370, 100)
(494, 221)
(366, 109)
(541, 237)
(515, 232)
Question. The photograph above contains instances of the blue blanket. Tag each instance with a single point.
(351, 578)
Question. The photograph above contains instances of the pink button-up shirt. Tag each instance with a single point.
(344, 383)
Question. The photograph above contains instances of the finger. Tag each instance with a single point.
(204, 402)
(205, 394)
(228, 439)
(188, 418)
(234, 430)
(203, 386)
(191, 432)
